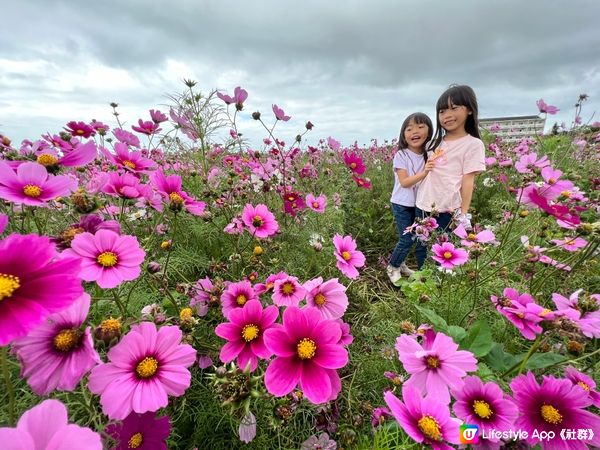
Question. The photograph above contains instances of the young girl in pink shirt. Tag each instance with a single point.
(458, 155)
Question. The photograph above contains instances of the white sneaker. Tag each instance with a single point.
(393, 273)
(404, 270)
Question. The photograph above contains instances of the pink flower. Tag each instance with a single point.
(33, 284)
(203, 291)
(348, 257)
(328, 297)
(584, 313)
(32, 185)
(239, 97)
(279, 114)
(145, 367)
(107, 258)
(292, 203)
(245, 333)
(79, 155)
(288, 292)
(554, 185)
(448, 256)
(354, 163)
(236, 295)
(317, 204)
(544, 108)
(170, 188)
(146, 127)
(436, 368)
(126, 137)
(469, 239)
(157, 116)
(269, 283)
(57, 354)
(141, 431)
(522, 311)
(124, 185)
(307, 352)
(46, 427)
(585, 382)
(570, 244)
(79, 129)
(259, 220)
(426, 420)
(130, 161)
(529, 161)
(333, 144)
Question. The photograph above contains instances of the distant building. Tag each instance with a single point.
(513, 129)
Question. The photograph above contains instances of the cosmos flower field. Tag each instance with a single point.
(164, 287)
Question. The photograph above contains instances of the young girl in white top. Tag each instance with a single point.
(458, 154)
(410, 167)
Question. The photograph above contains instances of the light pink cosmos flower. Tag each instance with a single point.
(448, 256)
(436, 369)
(317, 204)
(530, 161)
(236, 295)
(544, 108)
(145, 367)
(570, 244)
(333, 144)
(269, 283)
(554, 185)
(170, 189)
(46, 427)
(522, 311)
(348, 257)
(288, 291)
(307, 352)
(536, 253)
(57, 354)
(259, 220)
(132, 161)
(245, 334)
(203, 291)
(107, 258)
(124, 185)
(239, 97)
(470, 239)
(126, 137)
(279, 114)
(77, 156)
(329, 297)
(32, 185)
(158, 116)
(588, 319)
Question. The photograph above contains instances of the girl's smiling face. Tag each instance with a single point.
(415, 135)
(454, 117)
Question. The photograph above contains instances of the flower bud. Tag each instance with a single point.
(256, 115)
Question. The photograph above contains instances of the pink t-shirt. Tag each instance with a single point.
(441, 187)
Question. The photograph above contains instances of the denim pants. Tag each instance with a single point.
(443, 219)
(404, 217)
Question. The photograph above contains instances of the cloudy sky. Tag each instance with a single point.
(353, 68)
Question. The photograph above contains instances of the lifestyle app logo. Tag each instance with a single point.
(469, 434)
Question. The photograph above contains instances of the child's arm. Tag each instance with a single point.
(406, 181)
(466, 191)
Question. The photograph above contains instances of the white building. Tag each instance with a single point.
(513, 129)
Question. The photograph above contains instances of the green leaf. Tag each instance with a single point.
(479, 339)
(541, 360)
(457, 333)
(498, 359)
(438, 323)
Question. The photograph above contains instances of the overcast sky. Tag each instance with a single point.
(353, 68)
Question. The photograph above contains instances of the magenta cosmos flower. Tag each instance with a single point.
(107, 258)
(426, 420)
(585, 382)
(32, 185)
(585, 314)
(554, 405)
(144, 369)
(46, 427)
(132, 161)
(329, 297)
(170, 189)
(58, 353)
(141, 431)
(436, 368)
(485, 405)
(348, 257)
(317, 204)
(245, 333)
(307, 352)
(236, 295)
(288, 291)
(470, 239)
(522, 311)
(354, 163)
(259, 220)
(448, 256)
(33, 284)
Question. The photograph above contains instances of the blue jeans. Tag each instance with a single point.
(443, 219)
(404, 217)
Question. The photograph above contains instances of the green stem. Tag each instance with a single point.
(120, 305)
(9, 386)
(521, 364)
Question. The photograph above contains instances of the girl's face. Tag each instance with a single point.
(454, 117)
(415, 135)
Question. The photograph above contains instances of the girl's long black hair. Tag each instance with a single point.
(459, 95)
(418, 118)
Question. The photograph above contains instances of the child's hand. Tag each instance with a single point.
(429, 165)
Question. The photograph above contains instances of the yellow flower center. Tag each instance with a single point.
(550, 414)
(430, 428)
(258, 250)
(346, 256)
(583, 385)
(176, 198)
(482, 409)
(241, 299)
(186, 314)
(80, 132)
(47, 160)
(257, 221)
(107, 259)
(306, 348)
(32, 191)
(270, 285)
(66, 340)
(250, 332)
(287, 288)
(135, 441)
(353, 165)
(110, 325)
(315, 205)
(447, 255)
(147, 367)
(291, 198)
(566, 194)
(433, 362)
(471, 237)
(545, 312)
(8, 285)
(130, 164)
(320, 299)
